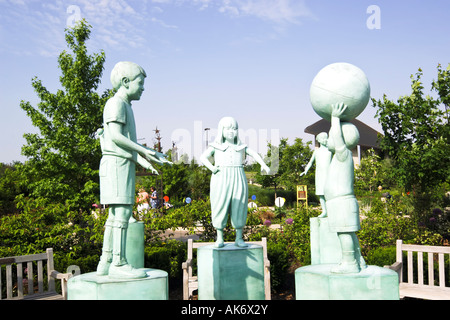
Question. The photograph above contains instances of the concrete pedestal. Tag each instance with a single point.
(325, 245)
(316, 282)
(89, 286)
(230, 273)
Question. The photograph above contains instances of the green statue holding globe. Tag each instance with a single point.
(339, 93)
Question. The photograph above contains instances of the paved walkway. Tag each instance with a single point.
(183, 235)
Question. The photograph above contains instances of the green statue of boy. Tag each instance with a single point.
(342, 206)
(322, 157)
(121, 152)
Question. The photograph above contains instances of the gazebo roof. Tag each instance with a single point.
(368, 136)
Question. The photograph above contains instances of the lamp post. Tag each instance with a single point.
(207, 129)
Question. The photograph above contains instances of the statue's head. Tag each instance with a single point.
(322, 138)
(226, 123)
(130, 76)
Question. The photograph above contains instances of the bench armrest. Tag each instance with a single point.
(395, 266)
(64, 277)
(187, 264)
(61, 276)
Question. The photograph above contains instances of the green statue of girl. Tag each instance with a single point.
(229, 188)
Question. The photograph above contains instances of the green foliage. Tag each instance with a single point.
(12, 183)
(368, 174)
(382, 256)
(167, 256)
(279, 263)
(266, 196)
(291, 160)
(76, 238)
(297, 234)
(181, 180)
(386, 222)
(416, 136)
(63, 158)
(186, 216)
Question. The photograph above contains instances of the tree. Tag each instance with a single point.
(63, 158)
(368, 173)
(292, 160)
(416, 136)
(11, 185)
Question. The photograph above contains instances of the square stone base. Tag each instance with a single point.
(89, 286)
(316, 282)
(230, 273)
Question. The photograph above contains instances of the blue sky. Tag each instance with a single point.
(250, 59)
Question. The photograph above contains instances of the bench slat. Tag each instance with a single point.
(420, 267)
(410, 267)
(40, 273)
(9, 284)
(19, 280)
(30, 277)
(22, 259)
(431, 269)
(422, 248)
(441, 271)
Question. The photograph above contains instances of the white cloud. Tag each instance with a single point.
(163, 24)
(32, 27)
(116, 23)
(38, 26)
(278, 11)
(228, 8)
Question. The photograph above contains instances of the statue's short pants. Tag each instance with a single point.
(117, 180)
(343, 214)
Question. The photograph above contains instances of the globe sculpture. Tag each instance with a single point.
(340, 82)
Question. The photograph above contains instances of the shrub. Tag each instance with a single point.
(382, 256)
(76, 237)
(386, 222)
(167, 256)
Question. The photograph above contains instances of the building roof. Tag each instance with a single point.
(368, 136)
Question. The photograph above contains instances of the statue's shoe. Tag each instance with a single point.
(362, 263)
(126, 271)
(103, 267)
(219, 244)
(240, 243)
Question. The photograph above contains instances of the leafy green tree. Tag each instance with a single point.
(292, 160)
(199, 179)
(368, 174)
(416, 136)
(63, 158)
(11, 185)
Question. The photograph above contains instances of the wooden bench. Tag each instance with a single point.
(34, 286)
(190, 282)
(418, 288)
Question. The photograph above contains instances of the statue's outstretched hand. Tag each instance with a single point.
(265, 169)
(338, 109)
